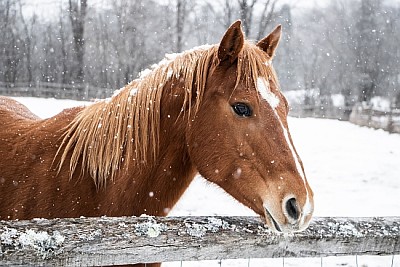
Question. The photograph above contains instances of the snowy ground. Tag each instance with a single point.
(353, 171)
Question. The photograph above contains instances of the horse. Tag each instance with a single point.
(216, 110)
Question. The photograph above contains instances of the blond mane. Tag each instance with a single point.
(125, 128)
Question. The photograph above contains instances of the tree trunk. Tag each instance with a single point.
(246, 14)
(180, 21)
(266, 17)
(228, 13)
(64, 57)
(28, 42)
(77, 14)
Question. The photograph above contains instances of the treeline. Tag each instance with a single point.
(349, 46)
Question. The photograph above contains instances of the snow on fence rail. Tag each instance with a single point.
(128, 240)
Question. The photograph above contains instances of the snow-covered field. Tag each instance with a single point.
(353, 171)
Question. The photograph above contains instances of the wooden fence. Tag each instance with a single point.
(55, 90)
(320, 111)
(128, 240)
(386, 120)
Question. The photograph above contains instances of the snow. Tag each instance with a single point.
(133, 91)
(352, 170)
(117, 92)
(145, 72)
(168, 58)
(150, 228)
(43, 243)
(48, 107)
(297, 97)
(338, 100)
(195, 230)
(213, 225)
(380, 103)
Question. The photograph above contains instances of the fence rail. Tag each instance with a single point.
(129, 240)
(54, 90)
(386, 120)
(320, 111)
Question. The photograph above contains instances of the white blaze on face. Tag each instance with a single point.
(273, 101)
(266, 94)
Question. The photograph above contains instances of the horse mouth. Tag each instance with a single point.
(276, 225)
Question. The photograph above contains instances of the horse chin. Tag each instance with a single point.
(271, 222)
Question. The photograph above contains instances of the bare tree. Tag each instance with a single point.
(65, 74)
(102, 38)
(29, 40)
(11, 42)
(342, 49)
(228, 13)
(392, 54)
(369, 45)
(77, 14)
(181, 12)
(353, 51)
(266, 17)
(285, 62)
(246, 14)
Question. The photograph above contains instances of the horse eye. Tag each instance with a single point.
(242, 109)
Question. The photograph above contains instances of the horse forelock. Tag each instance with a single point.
(254, 64)
(123, 131)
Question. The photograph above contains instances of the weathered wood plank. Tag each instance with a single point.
(126, 240)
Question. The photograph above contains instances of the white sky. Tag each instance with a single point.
(49, 8)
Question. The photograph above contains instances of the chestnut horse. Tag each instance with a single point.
(214, 110)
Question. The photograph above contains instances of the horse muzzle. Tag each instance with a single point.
(288, 217)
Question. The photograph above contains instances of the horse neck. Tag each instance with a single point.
(163, 180)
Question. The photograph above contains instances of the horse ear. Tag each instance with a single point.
(232, 43)
(270, 43)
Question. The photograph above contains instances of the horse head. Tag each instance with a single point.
(239, 137)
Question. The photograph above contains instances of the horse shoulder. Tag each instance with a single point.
(14, 109)
(29, 183)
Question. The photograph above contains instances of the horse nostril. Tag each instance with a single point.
(291, 208)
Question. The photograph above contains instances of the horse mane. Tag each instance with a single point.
(125, 128)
